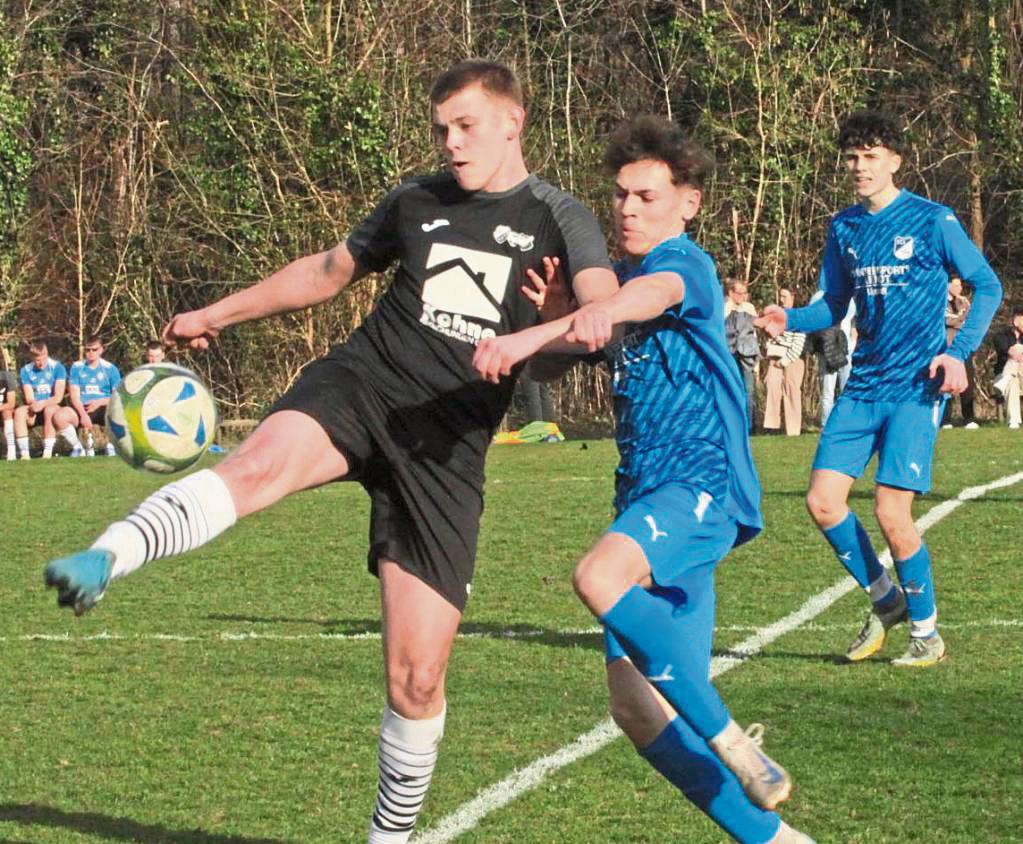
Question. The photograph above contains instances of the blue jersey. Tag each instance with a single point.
(43, 381)
(680, 406)
(94, 382)
(895, 265)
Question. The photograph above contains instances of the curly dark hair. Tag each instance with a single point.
(869, 128)
(652, 138)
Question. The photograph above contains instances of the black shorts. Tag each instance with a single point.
(426, 505)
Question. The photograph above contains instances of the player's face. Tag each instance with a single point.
(1017, 322)
(785, 298)
(93, 352)
(154, 355)
(39, 358)
(478, 133)
(649, 207)
(955, 287)
(873, 171)
(738, 294)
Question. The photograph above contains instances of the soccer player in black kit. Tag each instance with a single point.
(398, 407)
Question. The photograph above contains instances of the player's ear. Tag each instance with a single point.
(516, 117)
(691, 200)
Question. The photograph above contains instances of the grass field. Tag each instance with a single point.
(233, 696)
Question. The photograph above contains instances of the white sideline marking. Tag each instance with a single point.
(241, 636)
(508, 789)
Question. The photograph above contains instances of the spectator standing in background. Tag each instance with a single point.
(1008, 345)
(834, 347)
(742, 341)
(957, 306)
(784, 376)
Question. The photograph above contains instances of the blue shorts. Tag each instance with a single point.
(684, 534)
(902, 434)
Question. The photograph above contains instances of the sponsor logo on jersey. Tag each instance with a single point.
(505, 234)
(467, 284)
(877, 279)
(436, 224)
(903, 247)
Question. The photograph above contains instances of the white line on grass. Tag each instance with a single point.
(256, 636)
(517, 783)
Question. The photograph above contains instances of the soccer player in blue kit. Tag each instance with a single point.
(42, 382)
(686, 488)
(891, 252)
(90, 386)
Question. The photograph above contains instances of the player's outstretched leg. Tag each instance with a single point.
(675, 751)
(826, 502)
(419, 627)
(666, 633)
(289, 451)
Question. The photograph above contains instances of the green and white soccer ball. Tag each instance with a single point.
(161, 417)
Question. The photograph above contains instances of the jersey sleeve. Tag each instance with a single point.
(374, 244)
(962, 255)
(59, 372)
(75, 378)
(834, 283)
(701, 287)
(585, 247)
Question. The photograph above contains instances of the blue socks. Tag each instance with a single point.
(855, 551)
(666, 641)
(918, 584)
(686, 761)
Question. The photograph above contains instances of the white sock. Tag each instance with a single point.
(407, 755)
(925, 627)
(176, 518)
(70, 436)
(9, 435)
(48, 444)
(23, 445)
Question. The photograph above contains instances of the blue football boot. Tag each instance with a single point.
(81, 579)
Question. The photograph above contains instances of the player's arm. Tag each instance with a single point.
(30, 396)
(959, 252)
(57, 396)
(301, 284)
(75, 397)
(830, 309)
(585, 330)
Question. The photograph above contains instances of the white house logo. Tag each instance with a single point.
(903, 247)
(504, 234)
(466, 283)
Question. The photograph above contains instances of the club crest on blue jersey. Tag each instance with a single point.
(903, 248)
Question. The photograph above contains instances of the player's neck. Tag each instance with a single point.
(512, 174)
(877, 202)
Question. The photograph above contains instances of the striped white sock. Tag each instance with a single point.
(23, 445)
(48, 444)
(70, 436)
(408, 753)
(9, 436)
(176, 518)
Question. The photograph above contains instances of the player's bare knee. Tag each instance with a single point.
(823, 509)
(588, 581)
(415, 689)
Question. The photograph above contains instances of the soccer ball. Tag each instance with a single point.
(161, 417)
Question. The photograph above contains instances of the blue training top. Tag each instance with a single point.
(679, 401)
(895, 264)
(43, 381)
(96, 382)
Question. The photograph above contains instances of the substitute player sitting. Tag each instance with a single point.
(686, 489)
(90, 386)
(398, 407)
(43, 382)
(891, 252)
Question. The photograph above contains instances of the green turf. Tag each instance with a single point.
(224, 702)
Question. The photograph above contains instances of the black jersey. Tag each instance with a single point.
(8, 385)
(462, 258)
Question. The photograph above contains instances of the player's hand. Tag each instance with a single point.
(954, 371)
(84, 420)
(552, 295)
(773, 320)
(495, 356)
(592, 325)
(37, 407)
(192, 329)
(92, 406)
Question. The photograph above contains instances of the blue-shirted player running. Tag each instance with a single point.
(686, 488)
(892, 253)
(90, 386)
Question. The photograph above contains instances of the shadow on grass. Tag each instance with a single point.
(371, 627)
(116, 829)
